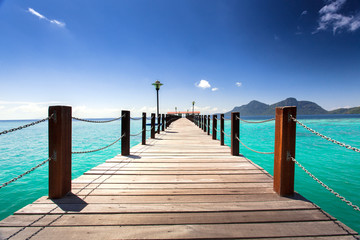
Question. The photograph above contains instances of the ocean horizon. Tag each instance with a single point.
(334, 165)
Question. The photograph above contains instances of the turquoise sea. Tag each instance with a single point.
(336, 166)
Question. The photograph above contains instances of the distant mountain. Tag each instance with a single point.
(256, 108)
(354, 110)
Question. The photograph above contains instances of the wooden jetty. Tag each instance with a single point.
(181, 185)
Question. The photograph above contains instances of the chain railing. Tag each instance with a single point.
(325, 137)
(97, 121)
(137, 134)
(252, 149)
(96, 150)
(225, 134)
(27, 125)
(326, 186)
(263, 121)
(135, 119)
(25, 173)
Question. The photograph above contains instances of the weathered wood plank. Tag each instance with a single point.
(166, 218)
(164, 207)
(207, 231)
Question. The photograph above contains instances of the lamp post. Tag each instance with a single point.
(193, 103)
(157, 85)
(175, 110)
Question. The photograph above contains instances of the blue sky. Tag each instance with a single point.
(102, 56)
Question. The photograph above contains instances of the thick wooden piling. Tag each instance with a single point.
(60, 126)
(214, 127)
(222, 123)
(285, 136)
(162, 122)
(205, 123)
(143, 134)
(153, 125)
(235, 132)
(208, 124)
(159, 123)
(125, 132)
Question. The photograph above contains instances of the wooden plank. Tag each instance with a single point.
(165, 218)
(165, 199)
(112, 185)
(161, 191)
(204, 231)
(165, 208)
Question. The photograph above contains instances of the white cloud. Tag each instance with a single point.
(238, 84)
(214, 89)
(330, 18)
(203, 84)
(32, 11)
(53, 21)
(304, 13)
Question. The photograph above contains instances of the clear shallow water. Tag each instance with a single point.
(24, 149)
(334, 165)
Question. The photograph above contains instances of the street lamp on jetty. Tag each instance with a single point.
(193, 103)
(157, 85)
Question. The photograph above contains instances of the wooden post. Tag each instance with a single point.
(214, 127)
(222, 129)
(159, 122)
(205, 123)
(200, 121)
(235, 133)
(125, 132)
(285, 137)
(143, 137)
(152, 125)
(162, 122)
(60, 151)
(208, 124)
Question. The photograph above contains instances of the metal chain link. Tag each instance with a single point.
(96, 150)
(225, 134)
(263, 121)
(25, 173)
(134, 135)
(326, 186)
(253, 149)
(27, 125)
(139, 118)
(325, 137)
(94, 121)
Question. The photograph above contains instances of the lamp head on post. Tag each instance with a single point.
(157, 84)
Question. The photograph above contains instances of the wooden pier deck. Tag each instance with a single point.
(181, 185)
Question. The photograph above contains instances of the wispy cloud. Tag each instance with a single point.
(276, 37)
(39, 15)
(214, 89)
(238, 84)
(203, 84)
(331, 18)
(304, 13)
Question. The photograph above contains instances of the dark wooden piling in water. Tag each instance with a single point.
(222, 124)
(143, 134)
(235, 132)
(285, 137)
(60, 128)
(152, 125)
(214, 127)
(125, 132)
